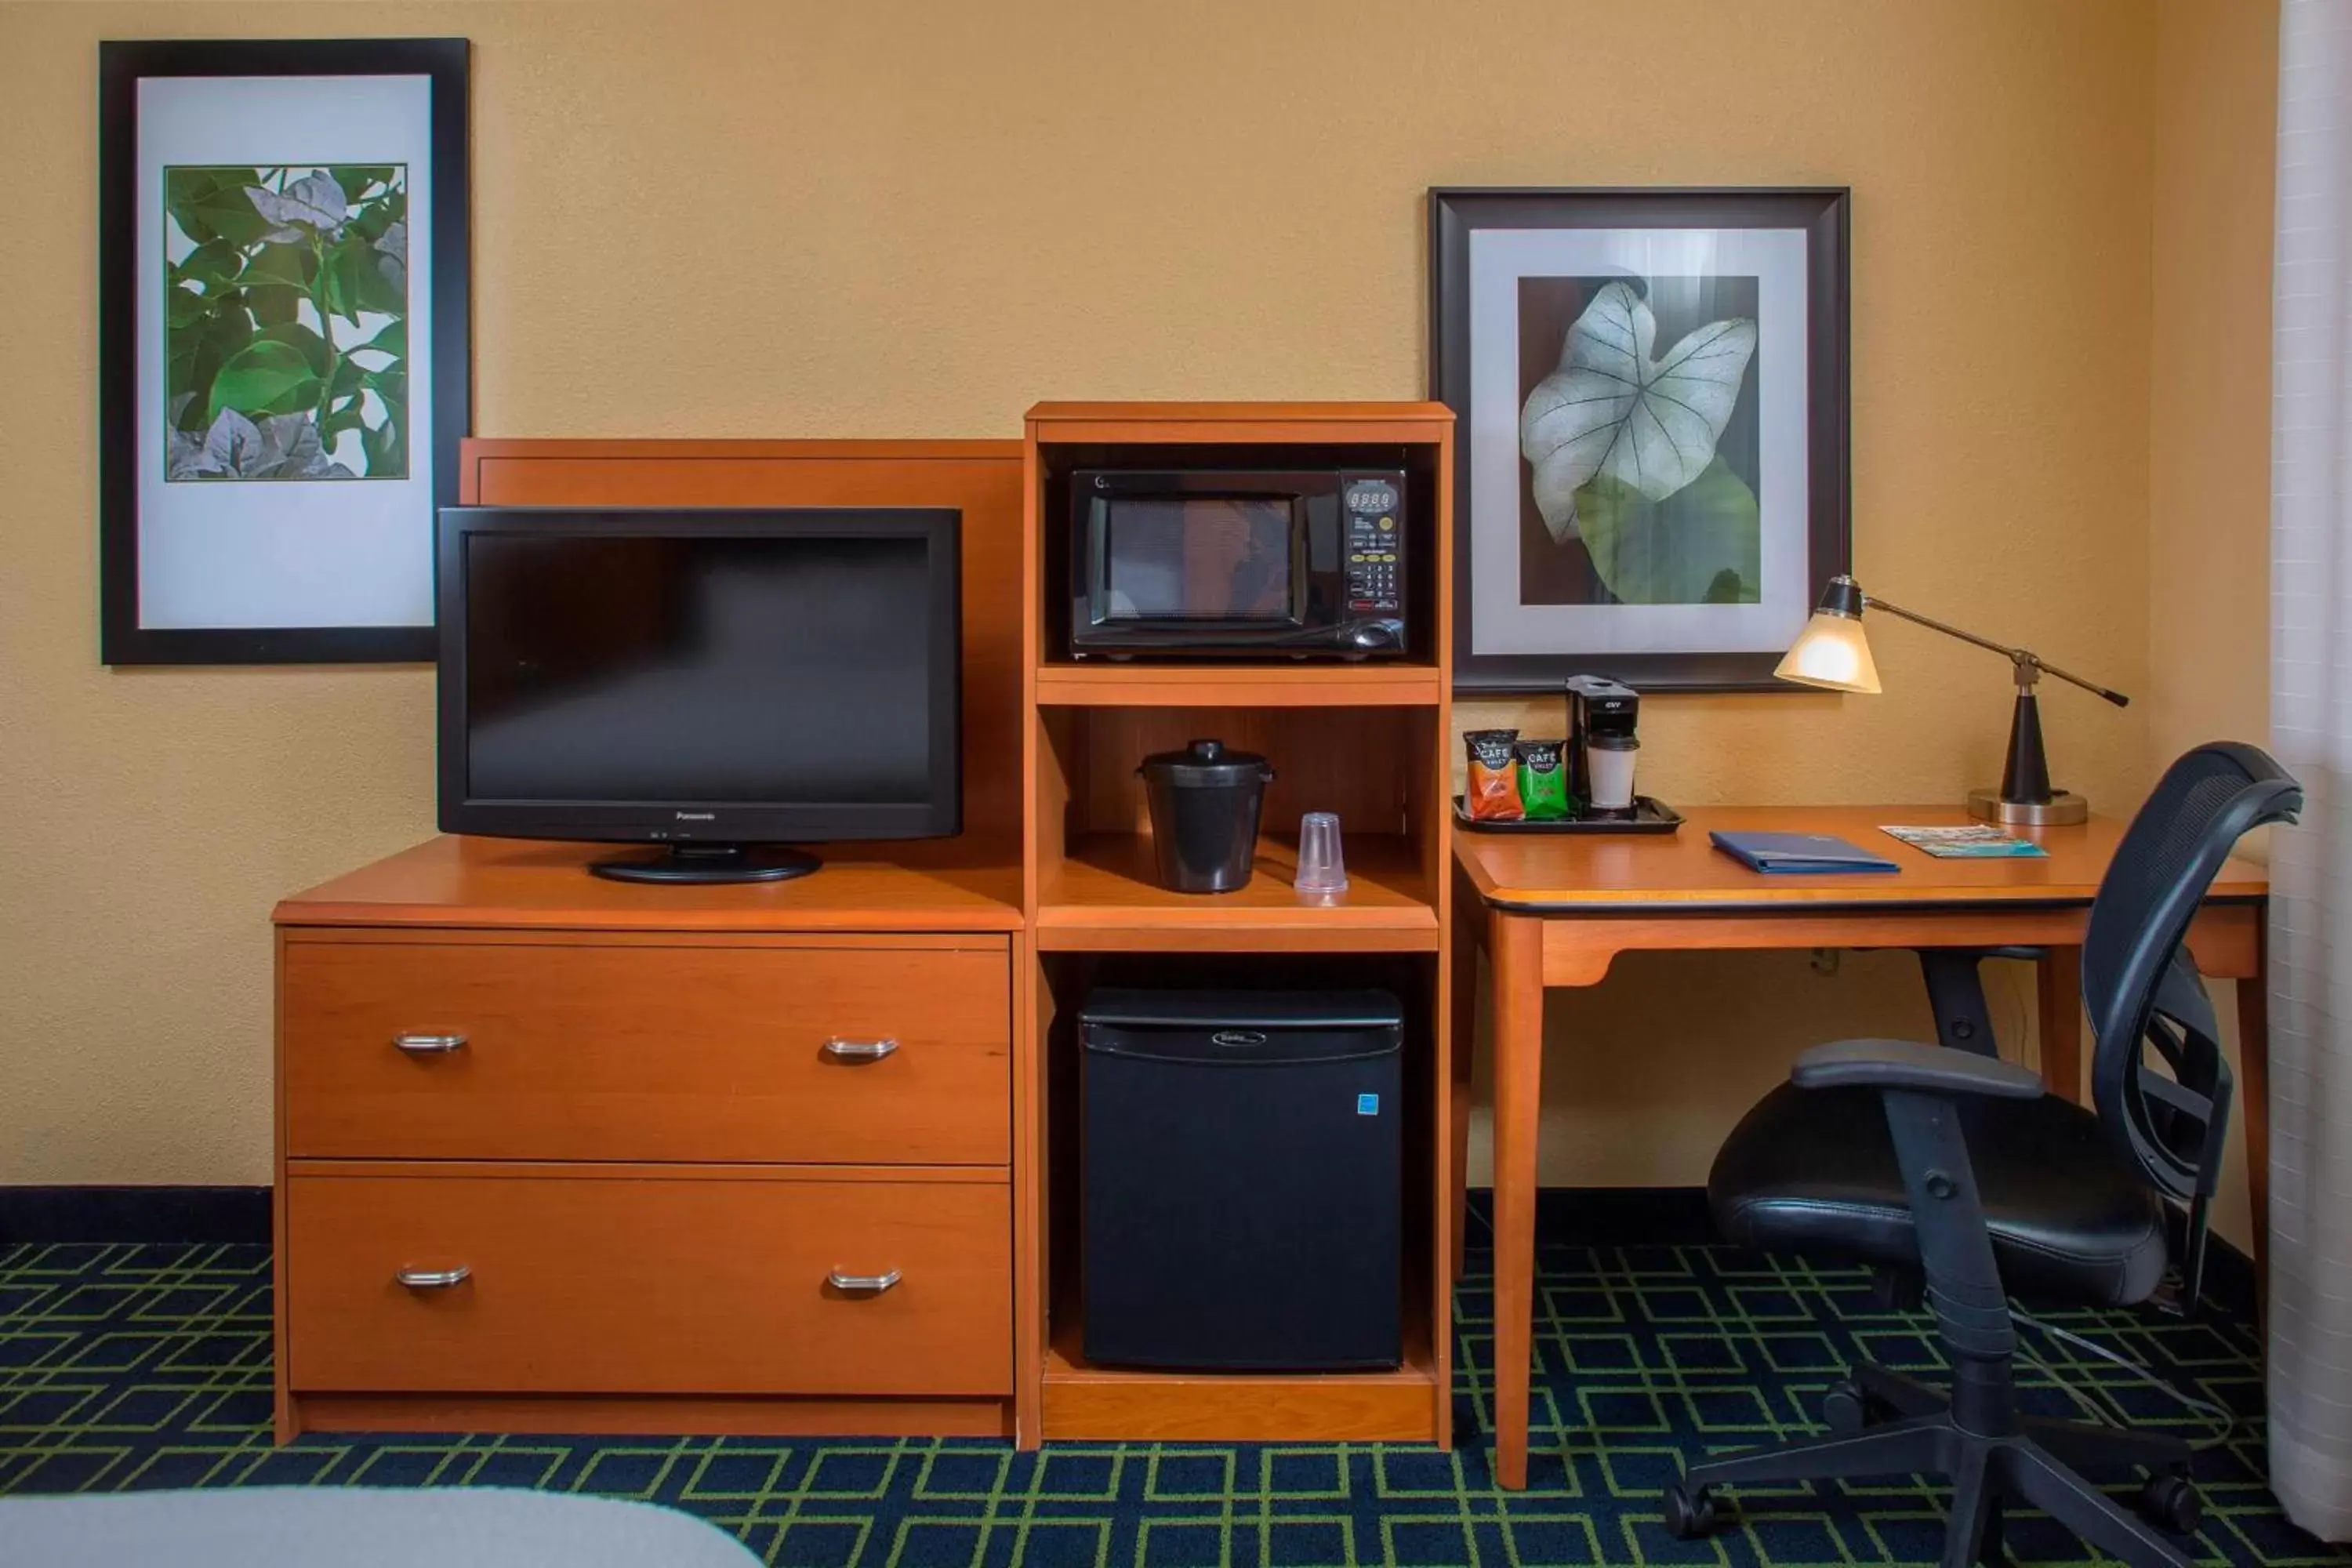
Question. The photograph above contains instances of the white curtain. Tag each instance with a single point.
(2311, 705)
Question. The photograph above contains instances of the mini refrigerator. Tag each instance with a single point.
(1242, 1158)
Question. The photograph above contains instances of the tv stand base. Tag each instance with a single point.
(712, 863)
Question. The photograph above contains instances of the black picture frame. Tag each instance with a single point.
(122, 640)
(1823, 213)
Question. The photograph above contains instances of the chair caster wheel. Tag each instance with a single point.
(2171, 1501)
(1846, 1409)
(1691, 1515)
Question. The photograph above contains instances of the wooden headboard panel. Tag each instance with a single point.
(981, 477)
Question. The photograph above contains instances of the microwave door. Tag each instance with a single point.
(1322, 576)
(1193, 565)
(1231, 564)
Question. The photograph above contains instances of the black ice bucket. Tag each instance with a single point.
(1205, 803)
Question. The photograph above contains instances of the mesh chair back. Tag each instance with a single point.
(2138, 983)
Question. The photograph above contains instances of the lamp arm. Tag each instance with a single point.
(1872, 602)
(2093, 687)
(2029, 663)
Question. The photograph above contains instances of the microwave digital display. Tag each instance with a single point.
(1239, 563)
(1197, 558)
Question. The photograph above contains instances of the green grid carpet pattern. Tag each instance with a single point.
(126, 1366)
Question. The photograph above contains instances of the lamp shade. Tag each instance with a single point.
(1831, 651)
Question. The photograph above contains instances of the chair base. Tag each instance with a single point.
(1883, 1423)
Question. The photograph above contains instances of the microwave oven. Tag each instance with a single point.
(1238, 563)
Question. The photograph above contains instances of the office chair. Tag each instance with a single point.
(1958, 1166)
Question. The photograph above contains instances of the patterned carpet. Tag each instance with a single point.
(125, 1366)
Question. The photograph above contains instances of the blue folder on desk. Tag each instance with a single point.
(1798, 853)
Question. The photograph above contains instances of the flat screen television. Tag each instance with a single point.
(722, 684)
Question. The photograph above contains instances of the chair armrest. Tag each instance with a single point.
(1905, 1064)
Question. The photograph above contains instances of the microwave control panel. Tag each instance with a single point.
(1374, 505)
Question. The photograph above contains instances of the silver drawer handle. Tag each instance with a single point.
(844, 1050)
(861, 1284)
(429, 1045)
(434, 1279)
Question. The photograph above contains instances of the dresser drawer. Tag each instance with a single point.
(647, 1286)
(613, 1051)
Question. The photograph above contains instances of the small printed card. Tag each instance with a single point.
(1980, 841)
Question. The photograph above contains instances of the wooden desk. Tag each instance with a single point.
(1555, 910)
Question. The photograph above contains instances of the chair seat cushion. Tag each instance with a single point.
(1813, 1172)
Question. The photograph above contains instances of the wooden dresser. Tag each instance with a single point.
(564, 1153)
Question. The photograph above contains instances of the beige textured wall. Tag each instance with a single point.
(2210, 430)
(2208, 585)
(900, 219)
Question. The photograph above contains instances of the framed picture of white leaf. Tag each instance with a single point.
(1652, 448)
(283, 360)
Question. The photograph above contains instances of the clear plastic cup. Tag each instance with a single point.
(1322, 871)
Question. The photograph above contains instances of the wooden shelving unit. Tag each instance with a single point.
(1368, 741)
(1248, 686)
(1109, 1403)
(1101, 896)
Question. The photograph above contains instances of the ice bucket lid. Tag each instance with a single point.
(1205, 763)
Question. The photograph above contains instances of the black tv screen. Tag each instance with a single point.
(700, 677)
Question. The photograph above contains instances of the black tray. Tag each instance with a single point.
(1650, 816)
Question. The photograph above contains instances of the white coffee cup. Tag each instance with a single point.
(1610, 759)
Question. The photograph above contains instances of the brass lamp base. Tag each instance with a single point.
(2062, 809)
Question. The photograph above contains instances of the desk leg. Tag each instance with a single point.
(2254, 1094)
(1515, 949)
(2059, 974)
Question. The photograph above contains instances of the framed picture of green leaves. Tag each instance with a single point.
(283, 345)
(1651, 395)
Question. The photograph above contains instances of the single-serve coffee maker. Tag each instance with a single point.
(1602, 745)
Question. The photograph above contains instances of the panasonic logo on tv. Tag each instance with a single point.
(695, 816)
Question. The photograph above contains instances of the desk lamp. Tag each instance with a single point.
(1833, 652)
